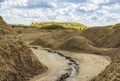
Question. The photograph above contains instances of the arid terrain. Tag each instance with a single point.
(34, 54)
(18, 63)
(96, 41)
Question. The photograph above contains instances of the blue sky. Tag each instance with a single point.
(89, 12)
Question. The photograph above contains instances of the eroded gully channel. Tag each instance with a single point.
(72, 63)
(74, 68)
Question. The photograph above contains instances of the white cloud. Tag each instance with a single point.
(41, 3)
(28, 3)
(88, 7)
(13, 3)
(98, 1)
(90, 12)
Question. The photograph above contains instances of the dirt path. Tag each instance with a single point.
(89, 65)
(57, 65)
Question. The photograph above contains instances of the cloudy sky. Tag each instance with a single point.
(89, 12)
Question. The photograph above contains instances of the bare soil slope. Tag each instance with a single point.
(54, 38)
(111, 40)
(96, 34)
(103, 37)
(107, 38)
(78, 43)
(66, 40)
(111, 72)
(17, 62)
(4, 28)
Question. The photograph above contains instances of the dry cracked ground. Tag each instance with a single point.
(32, 54)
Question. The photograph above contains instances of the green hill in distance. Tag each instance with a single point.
(63, 25)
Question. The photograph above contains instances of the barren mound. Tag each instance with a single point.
(111, 40)
(17, 62)
(96, 34)
(103, 37)
(66, 40)
(55, 38)
(78, 43)
(4, 28)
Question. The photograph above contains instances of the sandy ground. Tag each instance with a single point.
(90, 65)
(57, 65)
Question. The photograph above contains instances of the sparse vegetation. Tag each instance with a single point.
(65, 25)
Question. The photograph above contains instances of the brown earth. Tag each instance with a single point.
(111, 72)
(107, 40)
(96, 34)
(87, 65)
(17, 61)
(100, 41)
(103, 37)
(69, 40)
(4, 28)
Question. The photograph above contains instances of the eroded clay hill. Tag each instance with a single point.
(104, 37)
(17, 62)
(4, 28)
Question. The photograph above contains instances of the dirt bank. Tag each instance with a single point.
(17, 62)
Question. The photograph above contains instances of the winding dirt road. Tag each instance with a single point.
(62, 67)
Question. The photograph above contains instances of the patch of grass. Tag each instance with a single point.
(65, 25)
